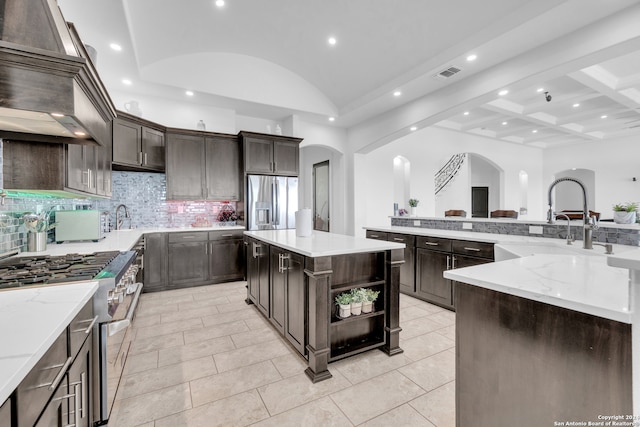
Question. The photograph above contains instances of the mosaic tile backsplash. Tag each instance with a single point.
(144, 194)
(604, 234)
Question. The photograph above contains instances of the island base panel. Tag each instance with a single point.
(526, 363)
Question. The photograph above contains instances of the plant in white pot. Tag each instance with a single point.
(369, 297)
(357, 297)
(625, 213)
(413, 204)
(343, 301)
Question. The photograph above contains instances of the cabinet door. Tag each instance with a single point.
(185, 167)
(408, 269)
(278, 288)
(188, 263)
(153, 149)
(430, 265)
(461, 261)
(258, 155)
(225, 260)
(103, 172)
(126, 142)
(253, 271)
(81, 168)
(263, 266)
(296, 300)
(80, 387)
(155, 262)
(286, 157)
(56, 412)
(223, 174)
(377, 235)
(5, 413)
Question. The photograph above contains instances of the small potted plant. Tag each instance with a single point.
(343, 301)
(625, 213)
(369, 297)
(357, 298)
(413, 204)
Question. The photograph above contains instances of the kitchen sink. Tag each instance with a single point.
(518, 250)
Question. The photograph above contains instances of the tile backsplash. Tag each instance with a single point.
(144, 194)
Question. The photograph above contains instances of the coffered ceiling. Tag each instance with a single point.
(272, 59)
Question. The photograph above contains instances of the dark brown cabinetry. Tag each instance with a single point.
(203, 167)
(226, 256)
(137, 144)
(258, 274)
(188, 258)
(408, 269)
(82, 168)
(155, 262)
(288, 296)
(5, 413)
(270, 154)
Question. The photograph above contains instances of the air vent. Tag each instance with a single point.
(447, 73)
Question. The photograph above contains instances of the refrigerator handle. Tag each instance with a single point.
(276, 202)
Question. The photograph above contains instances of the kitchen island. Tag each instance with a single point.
(544, 340)
(293, 281)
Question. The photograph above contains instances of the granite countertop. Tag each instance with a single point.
(31, 320)
(322, 244)
(118, 240)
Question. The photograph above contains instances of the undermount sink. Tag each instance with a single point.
(519, 250)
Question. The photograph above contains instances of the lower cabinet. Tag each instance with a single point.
(258, 274)
(431, 285)
(288, 296)
(408, 269)
(5, 413)
(183, 259)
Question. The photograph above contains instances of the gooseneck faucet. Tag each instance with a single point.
(570, 238)
(119, 219)
(587, 229)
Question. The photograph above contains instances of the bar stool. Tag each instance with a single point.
(454, 212)
(504, 214)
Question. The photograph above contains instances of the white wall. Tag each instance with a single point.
(615, 163)
(427, 150)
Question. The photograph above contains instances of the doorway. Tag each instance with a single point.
(321, 196)
(479, 202)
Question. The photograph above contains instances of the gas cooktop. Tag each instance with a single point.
(41, 270)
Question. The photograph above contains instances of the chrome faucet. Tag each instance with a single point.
(570, 238)
(589, 225)
(119, 219)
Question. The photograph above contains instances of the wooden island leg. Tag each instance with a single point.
(393, 260)
(318, 271)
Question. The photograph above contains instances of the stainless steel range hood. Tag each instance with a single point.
(49, 89)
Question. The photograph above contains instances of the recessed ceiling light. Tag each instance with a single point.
(413, 128)
(576, 105)
(127, 82)
(397, 93)
(79, 133)
(503, 92)
(331, 119)
(189, 93)
(472, 57)
(116, 47)
(219, 3)
(504, 123)
(540, 89)
(57, 115)
(332, 41)
(604, 116)
(466, 113)
(534, 131)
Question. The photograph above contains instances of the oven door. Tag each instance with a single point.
(113, 350)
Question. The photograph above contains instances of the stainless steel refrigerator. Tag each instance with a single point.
(272, 202)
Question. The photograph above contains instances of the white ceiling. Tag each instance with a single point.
(271, 59)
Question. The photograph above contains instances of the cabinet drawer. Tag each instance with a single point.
(197, 236)
(38, 386)
(226, 235)
(476, 249)
(80, 327)
(435, 243)
(407, 239)
(379, 235)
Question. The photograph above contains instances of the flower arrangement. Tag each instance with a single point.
(414, 203)
(227, 214)
(403, 212)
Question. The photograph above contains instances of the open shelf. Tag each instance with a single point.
(352, 348)
(335, 319)
(353, 285)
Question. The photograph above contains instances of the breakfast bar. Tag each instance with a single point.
(293, 281)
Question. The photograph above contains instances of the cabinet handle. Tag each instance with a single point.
(431, 244)
(472, 249)
(227, 235)
(140, 157)
(88, 329)
(453, 262)
(373, 235)
(56, 381)
(206, 249)
(398, 239)
(448, 262)
(281, 260)
(256, 252)
(275, 166)
(145, 159)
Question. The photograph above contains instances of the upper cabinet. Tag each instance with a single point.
(138, 145)
(271, 154)
(203, 166)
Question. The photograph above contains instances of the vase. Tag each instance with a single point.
(367, 306)
(344, 310)
(624, 217)
(356, 308)
(412, 210)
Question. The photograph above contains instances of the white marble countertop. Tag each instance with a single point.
(31, 319)
(118, 240)
(321, 243)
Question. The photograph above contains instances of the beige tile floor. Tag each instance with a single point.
(202, 357)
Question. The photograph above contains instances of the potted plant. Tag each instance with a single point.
(413, 204)
(369, 297)
(357, 298)
(625, 213)
(343, 301)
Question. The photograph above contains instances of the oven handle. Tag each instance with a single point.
(119, 325)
